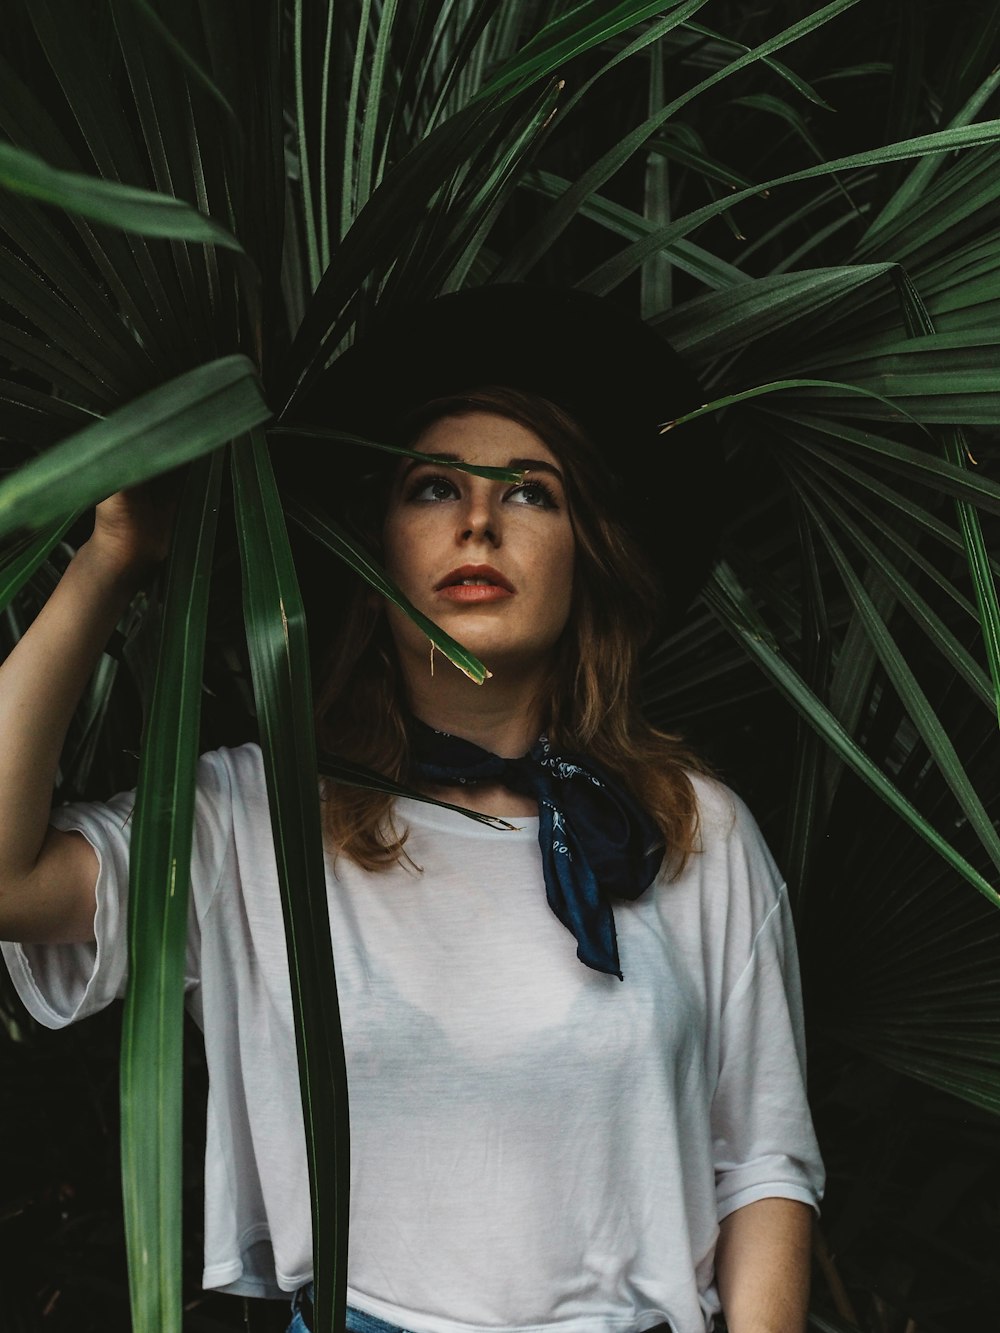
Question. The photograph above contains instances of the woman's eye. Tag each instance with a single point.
(432, 488)
(533, 493)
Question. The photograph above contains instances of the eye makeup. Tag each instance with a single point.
(535, 487)
(416, 487)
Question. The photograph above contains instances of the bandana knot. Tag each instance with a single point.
(597, 842)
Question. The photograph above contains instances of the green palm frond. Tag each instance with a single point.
(205, 204)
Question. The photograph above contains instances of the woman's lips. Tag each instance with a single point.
(474, 592)
(474, 584)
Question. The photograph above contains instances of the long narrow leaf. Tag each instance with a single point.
(806, 813)
(73, 47)
(345, 437)
(382, 226)
(886, 572)
(19, 565)
(915, 185)
(569, 35)
(25, 120)
(782, 386)
(959, 198)
(827, 485)
(685, 255)
(891, 495)
(730, 603)
(302, 124)
(922, 327)
(123, 206)
(376, 77)
(544, 234)
(657, 278)
(187, 60)
(42, 240)
(335, 539)
(795, 219)
(495, 187)
(350, 128)
(49, 363)
(731, 44)
(466, 58)
(159, 877)
(925, 466)
(191, 415)
(607, 276)
(279, 660)
(352, 774)
(60, 323)
(650, 35)
(725, 322)
(160, 101)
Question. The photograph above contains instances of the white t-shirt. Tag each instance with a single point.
(534, 1145)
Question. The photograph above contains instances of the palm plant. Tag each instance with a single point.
(205, 203)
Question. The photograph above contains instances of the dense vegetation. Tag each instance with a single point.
(205, 201)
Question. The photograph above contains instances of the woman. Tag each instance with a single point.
(574, 1044)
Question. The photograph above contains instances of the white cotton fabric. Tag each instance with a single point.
(535, 1146)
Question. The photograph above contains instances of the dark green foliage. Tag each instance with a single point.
(203, 203)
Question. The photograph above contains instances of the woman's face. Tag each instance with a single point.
(488, 561)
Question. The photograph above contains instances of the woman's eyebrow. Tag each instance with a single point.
(534, 465)
(512, 465)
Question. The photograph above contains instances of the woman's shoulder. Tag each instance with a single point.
(728, 832)
(243, 760)
(720, 810)
(232, 774)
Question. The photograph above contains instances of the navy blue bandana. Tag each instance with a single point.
(597, 843)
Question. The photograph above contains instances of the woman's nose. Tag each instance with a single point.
(479, 521)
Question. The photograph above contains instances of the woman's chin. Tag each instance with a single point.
(507, 660)
(496, 640)
(506, 653)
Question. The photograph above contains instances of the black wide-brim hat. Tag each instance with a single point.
(613, 373)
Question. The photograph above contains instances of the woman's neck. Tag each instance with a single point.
(502, 716)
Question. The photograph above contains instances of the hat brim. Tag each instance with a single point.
(614, 374)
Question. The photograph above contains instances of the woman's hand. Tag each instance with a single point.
(133, 528)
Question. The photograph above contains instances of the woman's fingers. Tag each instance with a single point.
(136, 525)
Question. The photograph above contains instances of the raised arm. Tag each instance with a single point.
(48, 878)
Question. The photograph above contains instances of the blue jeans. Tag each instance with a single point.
(357, 1320)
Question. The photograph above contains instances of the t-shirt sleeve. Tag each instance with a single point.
(61, 983)
(763, 1140)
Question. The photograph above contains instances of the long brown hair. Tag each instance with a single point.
(592, 706)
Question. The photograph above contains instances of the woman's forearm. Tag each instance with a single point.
(762, 1266)
(41, 682)
(42, 679)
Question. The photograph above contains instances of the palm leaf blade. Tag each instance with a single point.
(159, 862)
(20, 563)
(335, 539)
(279, 662)
(726, 597)
(124, 206)
(189, 416)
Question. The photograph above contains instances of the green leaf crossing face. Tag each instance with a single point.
(489, 561)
